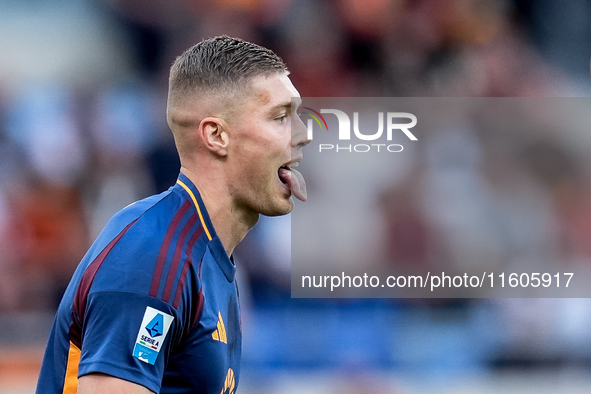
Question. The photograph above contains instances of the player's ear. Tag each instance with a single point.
(214, 135)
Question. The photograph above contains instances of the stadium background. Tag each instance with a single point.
(82, 134)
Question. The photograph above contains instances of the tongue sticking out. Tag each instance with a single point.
(295, 181)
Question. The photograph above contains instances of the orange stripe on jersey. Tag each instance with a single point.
(196, 206)
(71, 380)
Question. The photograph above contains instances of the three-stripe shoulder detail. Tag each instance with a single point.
(171, 270)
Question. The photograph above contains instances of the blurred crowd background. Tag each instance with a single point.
(83, 134)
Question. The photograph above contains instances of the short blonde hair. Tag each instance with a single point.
(221, 64)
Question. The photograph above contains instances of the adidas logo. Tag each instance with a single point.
(229, 383)
(220, 333)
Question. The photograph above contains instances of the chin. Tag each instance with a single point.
(280, 209)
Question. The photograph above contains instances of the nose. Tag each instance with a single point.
(299, 132)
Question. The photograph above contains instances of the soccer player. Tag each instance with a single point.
(153, 306)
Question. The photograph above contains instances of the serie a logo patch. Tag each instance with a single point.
(151, 335)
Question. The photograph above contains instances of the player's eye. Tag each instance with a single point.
(282, 118)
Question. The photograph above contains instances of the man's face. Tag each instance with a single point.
(266, 139)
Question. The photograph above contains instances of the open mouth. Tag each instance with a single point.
(285, 174)
(293, 179)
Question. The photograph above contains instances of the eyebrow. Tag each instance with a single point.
(286, 105)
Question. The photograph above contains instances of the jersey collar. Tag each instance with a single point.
(215, 244)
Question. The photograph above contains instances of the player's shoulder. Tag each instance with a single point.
(160, 206)
(147, 242)
(143, 225)
(152, 215)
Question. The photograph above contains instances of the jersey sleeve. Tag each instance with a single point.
(129, 336)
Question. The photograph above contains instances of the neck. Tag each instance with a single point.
(231, 223)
